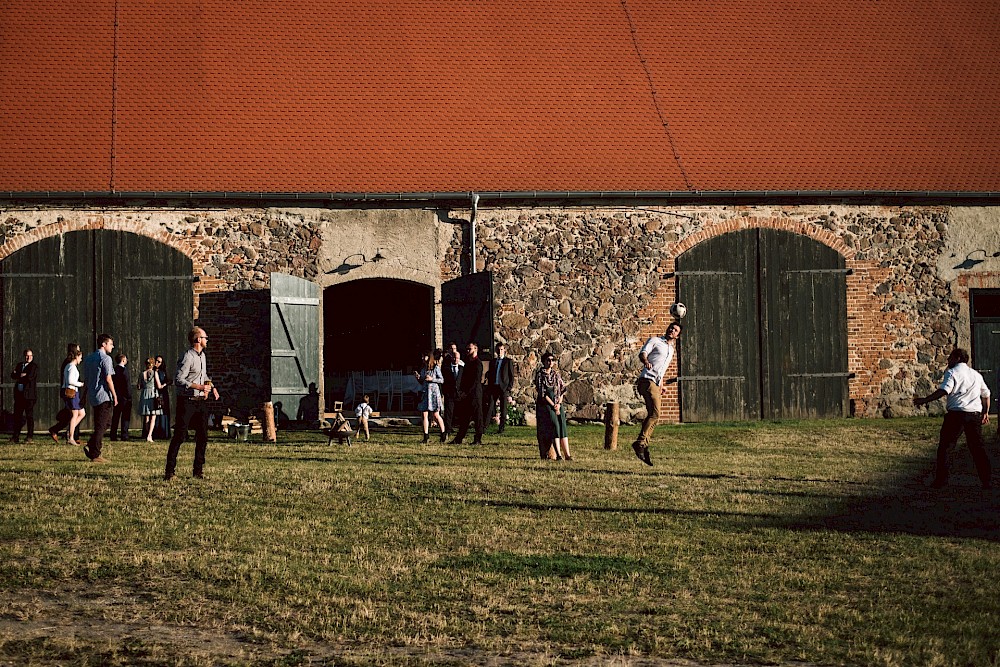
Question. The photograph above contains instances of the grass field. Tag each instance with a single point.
(816, 542)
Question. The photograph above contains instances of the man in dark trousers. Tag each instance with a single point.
(968, 405)
(25, 377)
(194, 388)
(123, 387)
(499, 382)
(452, 372)
(99, 390)
(470, 396)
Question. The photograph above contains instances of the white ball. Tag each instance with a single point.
(678, 310)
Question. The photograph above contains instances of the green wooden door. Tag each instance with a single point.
(719, 352)
(766, 330)
(467, 311)
(804, 338)
(72, 287)
(295, 346)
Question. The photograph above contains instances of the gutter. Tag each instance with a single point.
(525, 195)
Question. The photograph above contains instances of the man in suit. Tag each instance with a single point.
(25, 377)
(499, 382)
(452, 372)
(122, 412)
(470, 396)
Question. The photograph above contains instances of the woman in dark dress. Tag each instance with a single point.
(553, 437)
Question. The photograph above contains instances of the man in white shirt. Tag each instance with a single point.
(655, 356)
(968, 409)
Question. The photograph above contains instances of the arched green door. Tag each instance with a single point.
(765, 336)
(74, 286)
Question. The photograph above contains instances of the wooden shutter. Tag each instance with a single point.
(467, 310)
(295, 304)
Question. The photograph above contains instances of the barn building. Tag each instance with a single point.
(329, 187)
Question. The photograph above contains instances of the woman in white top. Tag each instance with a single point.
(73, 412)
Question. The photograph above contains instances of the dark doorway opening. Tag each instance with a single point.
(985, 321)
(376, 324)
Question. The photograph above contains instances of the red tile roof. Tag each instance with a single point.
(492, 95)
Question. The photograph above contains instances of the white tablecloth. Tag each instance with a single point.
(405, 383)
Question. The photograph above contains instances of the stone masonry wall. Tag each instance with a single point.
(588, 283)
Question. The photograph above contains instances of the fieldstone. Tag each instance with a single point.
(532, 283)
(565, 307)
(593, 365)
(546, 265)
(515, 321)
(579, 392)
(588, 412)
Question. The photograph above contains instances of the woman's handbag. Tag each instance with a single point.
(69, 392)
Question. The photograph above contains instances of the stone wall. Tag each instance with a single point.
(588, 283)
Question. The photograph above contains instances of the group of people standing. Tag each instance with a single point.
(462, 391)
(458, 391)
(73, 392)
(106, 387)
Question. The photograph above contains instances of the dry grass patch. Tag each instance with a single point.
(815, 542)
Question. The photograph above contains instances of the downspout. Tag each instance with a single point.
(472, 229)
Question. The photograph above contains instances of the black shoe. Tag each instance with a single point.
(427, 437)
(500, 430)
(477, 442)
(198, 475)
(642, 453)
(444, 436)
(86, 451)
(14, 439)
(168, 476)
(456, 441)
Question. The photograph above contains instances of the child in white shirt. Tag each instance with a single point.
(363, 412)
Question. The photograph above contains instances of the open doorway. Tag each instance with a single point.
(373, 325)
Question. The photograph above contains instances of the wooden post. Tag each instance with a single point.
(611, 421)
(270, 432)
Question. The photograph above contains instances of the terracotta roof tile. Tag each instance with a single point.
(407, 96)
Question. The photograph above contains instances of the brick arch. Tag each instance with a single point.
(815, 232)
(96, 222)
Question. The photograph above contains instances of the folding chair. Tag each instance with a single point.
(384, 382)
